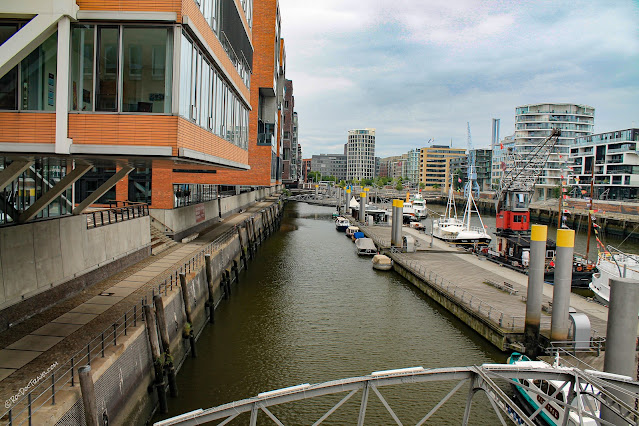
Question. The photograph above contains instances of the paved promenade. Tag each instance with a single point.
(54, 335)
(470, 274)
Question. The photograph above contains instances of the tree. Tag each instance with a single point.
(457, 179)
(341, 183)
(422, 185)
(399, 185)
(436, 186)
(367, 182)
(314, 176)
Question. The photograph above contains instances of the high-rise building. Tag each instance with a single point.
(615, 156)
(360, 154)
(534, 122)
(495, 139)
(434, 165)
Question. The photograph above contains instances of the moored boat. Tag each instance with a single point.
(612, 263)
(553, 413)
(351, 230)
(365, 247)
(456, 231)
(341, 224)
(382, 262)
(419, 206)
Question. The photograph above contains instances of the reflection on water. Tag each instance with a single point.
(310, 310)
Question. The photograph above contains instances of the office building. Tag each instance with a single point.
(360, 154)
(434, 165)
(330, 165)
(534, 122)
(615, 157)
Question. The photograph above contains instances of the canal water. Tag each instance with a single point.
(310, 310)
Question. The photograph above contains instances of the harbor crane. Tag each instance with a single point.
(516, 187)
(471, 174)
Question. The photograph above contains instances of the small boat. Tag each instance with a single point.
(365, 247)
(335, 215)
(453, 230)
(553, 413)
(351, 230)
(417, 225)
(382, 262)
(612, 263)
(342, 224)
(419, 206)
(358, 235)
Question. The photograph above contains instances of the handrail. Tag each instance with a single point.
(23, 409)
(108, 216)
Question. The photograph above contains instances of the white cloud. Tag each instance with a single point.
(421, 69)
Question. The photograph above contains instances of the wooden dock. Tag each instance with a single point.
(489, 298)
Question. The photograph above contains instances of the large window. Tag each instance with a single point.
(121, 68)
(31, 85)
(207, 100)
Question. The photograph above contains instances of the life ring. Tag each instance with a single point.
(580, 268)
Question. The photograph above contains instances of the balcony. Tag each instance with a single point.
(624, 148)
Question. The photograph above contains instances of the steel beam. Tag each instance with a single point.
(12, 171)
(362, 407)
(95, 195)
(54, 192)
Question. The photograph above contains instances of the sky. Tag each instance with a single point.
(417, 70)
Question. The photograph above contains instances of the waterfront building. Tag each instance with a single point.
(615, 156)
(330, 165)
(498, 160)
(483, 166)
(411, 166)
(434, 165)
(289, 143)
(161, 93)
(297, 159)
(267, 97)
(306, 169)
(393, 167)
(360, 154)
(534, 122)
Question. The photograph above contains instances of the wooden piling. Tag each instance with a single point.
(187, 310)
(166, 344)
(88, 396)
(242, 249)
(209, 284)
(152, 333)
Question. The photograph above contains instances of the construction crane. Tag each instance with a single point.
(517, 186)
(471, 174)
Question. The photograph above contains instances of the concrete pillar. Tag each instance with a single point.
(560, 323)
(393, 219)
(538, 237)
(362, 207)
(621, 334)
(398, 216)
(316, 192)
(348, 201)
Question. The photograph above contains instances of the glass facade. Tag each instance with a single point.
(186, 194)
(207, 100)
(121, 68)
(31, 85)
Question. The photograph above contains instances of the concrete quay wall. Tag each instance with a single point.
(184, 221)
(498, 336)
(43, 262)
(124, 377)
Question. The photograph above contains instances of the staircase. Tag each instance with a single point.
(159, 241)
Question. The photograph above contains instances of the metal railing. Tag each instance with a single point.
(461, 296)
(22, 410)
(116, 214)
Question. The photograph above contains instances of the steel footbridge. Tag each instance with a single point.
(616, 393)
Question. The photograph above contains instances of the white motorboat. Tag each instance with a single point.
(365, 246)
(409, 209)
(553, 413)
(451, 229)
(341, 224)
(351, 230)
(612, 263)
(419, 206)
(382, 262)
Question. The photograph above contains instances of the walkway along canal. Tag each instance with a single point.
(307, 310)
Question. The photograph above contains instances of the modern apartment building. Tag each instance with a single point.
(411, 165)
(330, 165)
(156, 93)
(615, 157)
(296, 161)
(434, 165)
(483, 162)
(267, 98)
(535, 122)
(289, 143)
(360, 154)
(499, 159)
(306, 169)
